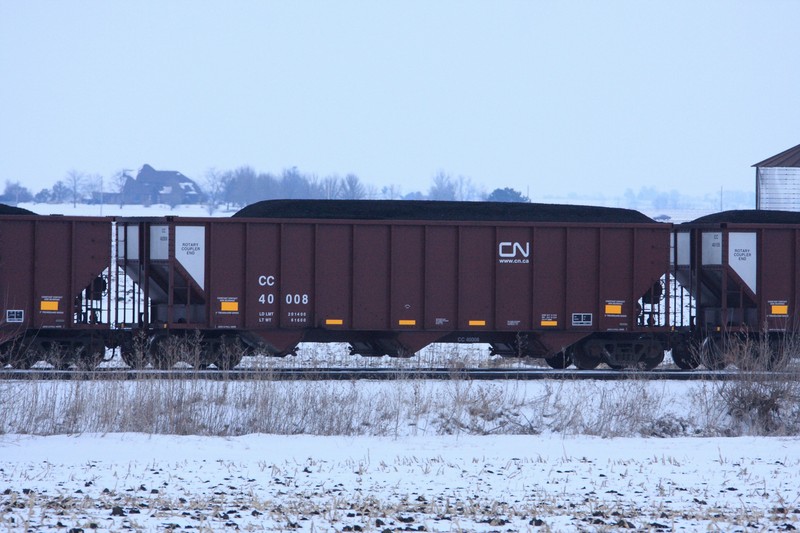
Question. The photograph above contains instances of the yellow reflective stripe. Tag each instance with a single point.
(229, 306)
(549, 323)
(407, 322)
(334, 322)
(49, 305)
(477, 322)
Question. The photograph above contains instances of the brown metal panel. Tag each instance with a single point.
(777, 273)
(408, 283)
(514, 279)
(16, 275)
(91, 258)
(296, 277)
(45, 264)
(52, 266)
(262, 256)
(477, 255)
(225, 275)
(616, 279)
(441, 277)
(92, 251)
(334, 276)
(651, 262)
(651, 257)
(582, 269)
(371, 270)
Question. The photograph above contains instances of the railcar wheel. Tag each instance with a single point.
(130, 358)
(684, 358)
(653, 356)
(585, 359)
(560, 361)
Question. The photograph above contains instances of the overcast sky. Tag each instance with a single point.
(546, 97)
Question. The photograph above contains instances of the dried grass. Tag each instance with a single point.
(758, 403)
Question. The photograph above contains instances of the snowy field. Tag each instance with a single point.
(390, 456)
(458, 483)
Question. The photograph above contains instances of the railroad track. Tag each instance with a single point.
(385, 374)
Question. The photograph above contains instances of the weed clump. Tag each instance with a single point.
(763, 397)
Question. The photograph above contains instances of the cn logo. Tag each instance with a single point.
(508, 249)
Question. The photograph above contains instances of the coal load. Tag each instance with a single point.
(750, 216)
(11, 210)
(440, 211)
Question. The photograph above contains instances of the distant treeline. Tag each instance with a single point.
(231, 189)
(243, 186)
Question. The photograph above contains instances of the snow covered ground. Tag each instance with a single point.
(110, 210)
(378, 456)
(138, 482)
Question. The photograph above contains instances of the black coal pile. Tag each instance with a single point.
(445, 211)
(11, 210)
(750, 216)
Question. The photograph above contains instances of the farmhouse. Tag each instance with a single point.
(151, 186)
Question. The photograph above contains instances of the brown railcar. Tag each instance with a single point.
(54, 296)
(565, 283)
(741, 270)
(559, 282)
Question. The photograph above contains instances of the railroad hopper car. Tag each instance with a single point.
(565, 283)
(53, 288)
(741, 271)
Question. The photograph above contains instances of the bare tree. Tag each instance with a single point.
(215, 184)
(93, 186)
(371, 192)
(268, 187)
(314, 184)
(466, 190)
(331, 187)
(75, 182)
(392, 192)
(243, 187)
(352, 188)
(294, 184)
(443, 188)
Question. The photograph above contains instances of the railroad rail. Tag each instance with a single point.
(389, 374)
